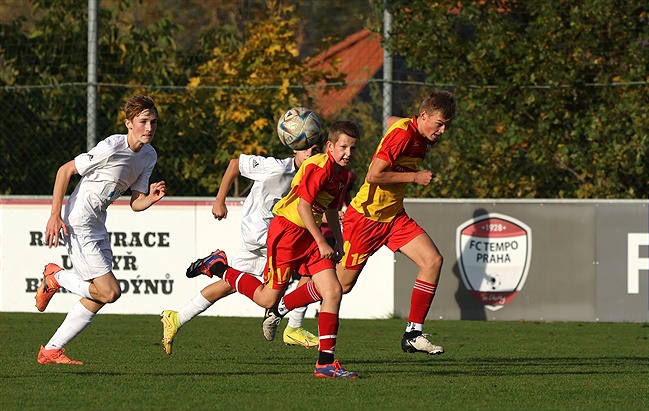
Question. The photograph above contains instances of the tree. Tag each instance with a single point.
(44, 116)
(243, 75)
(554, 99)
(234, 99)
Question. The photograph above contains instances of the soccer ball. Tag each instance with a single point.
(298, 128)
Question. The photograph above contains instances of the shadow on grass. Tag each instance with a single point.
(510, 366)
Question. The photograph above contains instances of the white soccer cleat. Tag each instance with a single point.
(270, 324)
(420, 343)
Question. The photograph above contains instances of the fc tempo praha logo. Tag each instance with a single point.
(493, 254)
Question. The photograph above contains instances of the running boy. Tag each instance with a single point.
(108, 170)
(377, 217)
(272, 180)
(296, 244)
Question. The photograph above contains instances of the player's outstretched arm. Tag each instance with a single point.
(304, 210)
(55, 223)
(380, 173)
(219, 209)
(141, 201)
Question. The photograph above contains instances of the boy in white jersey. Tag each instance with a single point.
(272, 180)
(115, 164)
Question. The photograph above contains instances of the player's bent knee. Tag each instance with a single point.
(334, 294)
(433, 263)
(112, 296)
(439, 261)
(266, 301)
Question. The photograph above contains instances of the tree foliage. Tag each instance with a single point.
(554, 99)
(219, 98)
(45, 118)
(554, 96)
(234, 99)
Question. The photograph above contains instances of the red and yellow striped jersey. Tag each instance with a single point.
(404, 148)
(316, 182)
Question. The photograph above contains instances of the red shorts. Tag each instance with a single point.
(363, 237)
(291, 249)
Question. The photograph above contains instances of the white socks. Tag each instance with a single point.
(281, 308)
(414, 327)
(195, 306)
(72, 283)
(76, 321)
(296, 317)
(199, 303)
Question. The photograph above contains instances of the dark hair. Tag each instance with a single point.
(137, 104)
(439, 101)
(343, 127)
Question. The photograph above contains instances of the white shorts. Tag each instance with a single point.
(249, 261)
(91, 258)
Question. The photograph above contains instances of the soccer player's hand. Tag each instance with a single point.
(157, 191)
(424, 177)
(53, 230)
(219, 210)
(325, 250)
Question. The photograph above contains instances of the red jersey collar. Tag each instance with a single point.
(419, 135)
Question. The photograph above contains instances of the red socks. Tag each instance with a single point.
(245, 284)
(302, 296)
(421, 300)
(328, 333)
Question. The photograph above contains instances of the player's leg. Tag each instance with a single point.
(300, 297)
(173, 320)
(280, 247)
(79, 317)
(246, 260)
(330, 291)
(362, 238)
(291, 249)
(425, 254)
(294, 333)
(250, 286)
(93, 264)
(204, 300)
(88, 259)
(92, 261)
(105, 289)
(347, 277)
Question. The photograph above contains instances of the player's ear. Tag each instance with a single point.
(128, 123)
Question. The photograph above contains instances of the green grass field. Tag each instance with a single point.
(224, 363)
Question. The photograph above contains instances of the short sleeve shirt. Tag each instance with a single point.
(316, 182)
(404, 148)
(272, 180)
(107, 171)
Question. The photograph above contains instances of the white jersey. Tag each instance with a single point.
(107, 171)
(272, 180)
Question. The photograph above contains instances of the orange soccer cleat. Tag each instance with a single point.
(49, 286)
(54, 357)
